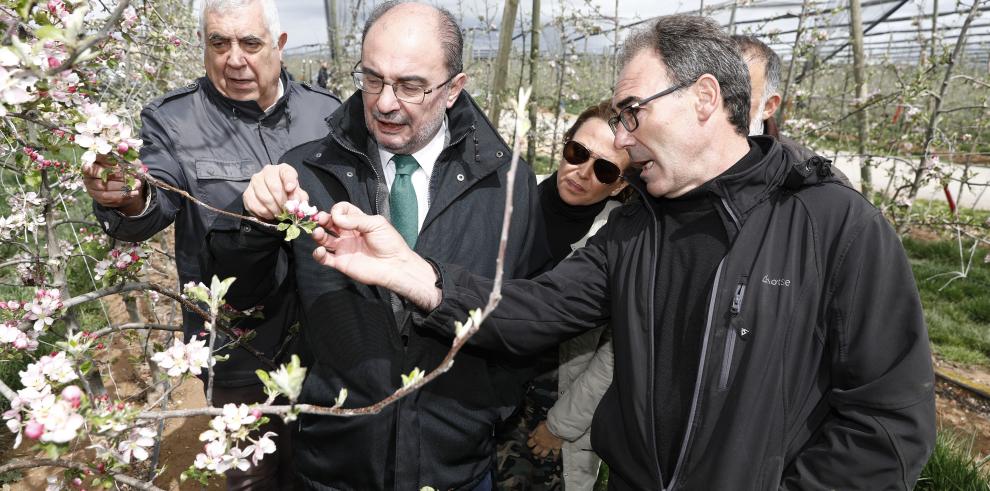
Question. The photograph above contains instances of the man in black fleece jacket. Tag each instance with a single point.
(767, 330)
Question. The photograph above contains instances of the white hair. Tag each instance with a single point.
(267, 6)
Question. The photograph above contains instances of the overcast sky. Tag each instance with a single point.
(305, 22)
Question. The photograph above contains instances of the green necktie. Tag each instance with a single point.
(402, 199)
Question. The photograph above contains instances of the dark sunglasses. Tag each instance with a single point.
(577, 154)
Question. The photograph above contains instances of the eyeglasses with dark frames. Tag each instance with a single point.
(577, 154)
(627, 115)
(411, 92)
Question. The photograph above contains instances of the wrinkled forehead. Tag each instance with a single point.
(237, 23)
(395, 54)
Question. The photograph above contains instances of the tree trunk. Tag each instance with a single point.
(933, 120)
(502, 60)
(534, 58)
(786, 100)
(330, 8)
(732, 17)
(859, 72)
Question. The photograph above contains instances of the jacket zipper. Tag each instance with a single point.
(650, 322)
(730, 335)
(688, 433)
(264, 145)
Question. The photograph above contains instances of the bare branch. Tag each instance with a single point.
(68, 464)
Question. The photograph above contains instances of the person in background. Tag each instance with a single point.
(765, 98)
(555, 418)
(208, 138)
(322, 77)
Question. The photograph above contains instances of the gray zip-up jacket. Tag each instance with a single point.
(200, 141)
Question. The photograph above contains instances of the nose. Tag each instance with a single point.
(623, 139)
(235, 58)
(387, 102)
(587, 168)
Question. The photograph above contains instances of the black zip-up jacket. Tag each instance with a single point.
(196, 139)
(441, 436)
(815, 370)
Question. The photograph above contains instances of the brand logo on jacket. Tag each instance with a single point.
(776, 281)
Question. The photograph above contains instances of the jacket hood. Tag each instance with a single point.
(746, 189)
(249, 109)
(464, 121)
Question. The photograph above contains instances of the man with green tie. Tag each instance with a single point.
(410, 145)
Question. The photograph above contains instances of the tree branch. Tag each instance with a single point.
(68, 464)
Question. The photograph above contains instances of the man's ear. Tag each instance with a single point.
(456, 86)
(708, 96)
(773, 103)
(281, 41)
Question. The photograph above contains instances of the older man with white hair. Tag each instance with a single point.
(209, 138)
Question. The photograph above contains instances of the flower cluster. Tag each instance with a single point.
(124, 261)
(16, 84)
(23, 322)
(41, 163)
(182, 358)
(36, 412)
(24, 215)
(296, 217)
(227, 432)
(101, 133)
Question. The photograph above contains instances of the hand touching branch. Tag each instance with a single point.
(269, 189)
(369, 250)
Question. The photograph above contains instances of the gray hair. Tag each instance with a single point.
(691, 46)
(267, 6)
(451, 38)
(751, 45)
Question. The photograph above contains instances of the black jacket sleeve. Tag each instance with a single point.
(881, 426)
(533, 315)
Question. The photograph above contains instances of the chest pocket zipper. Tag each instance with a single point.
(734, 329)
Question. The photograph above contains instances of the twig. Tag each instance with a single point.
(68, 464)
(135, 326)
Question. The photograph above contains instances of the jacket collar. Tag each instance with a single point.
(248, 109)
(745, 189)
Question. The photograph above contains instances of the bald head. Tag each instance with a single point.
(417, 16)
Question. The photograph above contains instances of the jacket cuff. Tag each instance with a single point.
(419, 316)
(111, 218)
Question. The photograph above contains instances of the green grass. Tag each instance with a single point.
(952, 466)
(957, 312)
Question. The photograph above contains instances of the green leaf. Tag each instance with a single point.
(291, 233)
(49, 32)
(33, 179)
(283, 226)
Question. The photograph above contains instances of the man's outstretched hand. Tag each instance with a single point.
(369, 250)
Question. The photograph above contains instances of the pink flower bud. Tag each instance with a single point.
(21, 342)
(72, 395)
(300, 214)
(122, 147)
(53, 62)
(34, 430)
(256, 413)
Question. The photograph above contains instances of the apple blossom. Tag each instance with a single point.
(181, 358)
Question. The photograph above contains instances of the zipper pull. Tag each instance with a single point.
(736, 308)
(738, 299)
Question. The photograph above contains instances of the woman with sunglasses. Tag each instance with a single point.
(575, 201)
